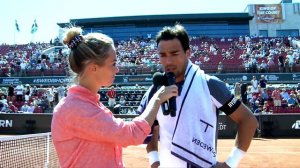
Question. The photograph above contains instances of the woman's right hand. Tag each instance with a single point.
(164, 93)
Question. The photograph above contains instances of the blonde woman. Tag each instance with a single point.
(85, 133)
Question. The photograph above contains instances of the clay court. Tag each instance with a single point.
(275, 153)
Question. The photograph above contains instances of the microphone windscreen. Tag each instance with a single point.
(158, 79)
(171, 78)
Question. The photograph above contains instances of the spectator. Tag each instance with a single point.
(38, 109)
(237, 90)
(111, 94)
(50, 98)
(5, 108)
(31, 108)
(244, 92)
(281, 62)
(25, 107)
(265, 95)
(276, 97)
(254, 85)
(23, 67)
(292, 101)
(3, 100)
(20, 91)
(220, 67)
(291, 60)
(122, 100)
(27, 93)
(284, 94)
(263, 67)
(286, 65)
(12, 108)
(263, 82)
(11, 92)
(61, 91)
(266, 108)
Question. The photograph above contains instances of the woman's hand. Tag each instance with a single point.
(164, 93)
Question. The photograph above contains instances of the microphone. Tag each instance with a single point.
(160, 79)
(172, 101)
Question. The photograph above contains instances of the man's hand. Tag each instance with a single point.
(220, 165)
(155, 164)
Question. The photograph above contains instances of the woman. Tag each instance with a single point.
(85, 133)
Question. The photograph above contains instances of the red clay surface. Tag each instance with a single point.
(265, 153)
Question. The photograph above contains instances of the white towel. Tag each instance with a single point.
(194, 138)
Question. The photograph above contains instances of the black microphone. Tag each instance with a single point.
(160, 79)
(172, 101)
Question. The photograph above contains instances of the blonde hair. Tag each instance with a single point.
(93, 48)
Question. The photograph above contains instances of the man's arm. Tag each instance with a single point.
(247, 124)
(152, 147)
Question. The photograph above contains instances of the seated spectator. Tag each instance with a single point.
(122, 100)
(5, 108)
(247, 66)
(255, 105)
(38, 109)
(264, 94)
(284, 94)
(25, 107)
(43, 103)
(31, 108)
(220, 67)
(260, 100)
(292, 101)
(276, 97)
(12, 108)
(3, 100)
(266, 108)
(263, 67)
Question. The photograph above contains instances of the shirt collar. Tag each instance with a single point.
(84, 93)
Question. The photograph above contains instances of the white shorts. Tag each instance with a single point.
(111, 102)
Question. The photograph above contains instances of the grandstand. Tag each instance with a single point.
(227, 47)
(232, 46)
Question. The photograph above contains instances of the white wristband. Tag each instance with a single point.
(153, 157)
(235, 157)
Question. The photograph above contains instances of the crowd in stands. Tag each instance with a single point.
(41, 99)
(265, 98)
(138, 56)
(260, 96)
(29, 60)
(30, 99)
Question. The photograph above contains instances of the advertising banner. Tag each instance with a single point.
(268, 13)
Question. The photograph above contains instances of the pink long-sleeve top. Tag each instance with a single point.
(86, 134)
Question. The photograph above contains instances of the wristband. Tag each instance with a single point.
(235, 157)
(153, 157)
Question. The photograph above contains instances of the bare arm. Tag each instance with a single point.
(247, 125)
(153, 144)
